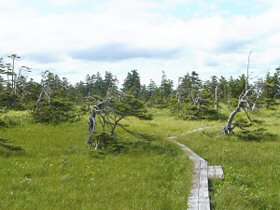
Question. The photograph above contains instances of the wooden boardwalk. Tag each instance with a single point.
(199, 198)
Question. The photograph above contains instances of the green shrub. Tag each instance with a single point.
(14, 118)
(58, 110)
(11, 101)
(189, 111)
(2, 123)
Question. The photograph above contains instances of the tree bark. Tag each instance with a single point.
(216, 107)
(92, 129)
(228, 129)
(242, 103)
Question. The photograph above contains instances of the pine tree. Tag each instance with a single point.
(132, 83)
(166, 88)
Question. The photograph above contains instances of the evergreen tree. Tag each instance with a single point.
(132, 83)
(109, 83)
(166, 88)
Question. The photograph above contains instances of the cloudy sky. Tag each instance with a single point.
(77, 37)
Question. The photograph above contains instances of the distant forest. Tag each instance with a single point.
(18, 92)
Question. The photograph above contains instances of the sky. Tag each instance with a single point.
(77, 37)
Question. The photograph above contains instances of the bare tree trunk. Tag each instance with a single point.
(255, 103)
(248, 68)
(242, 103)
(254, 106)
(92, 129)
(38, 100)
(216, 102)
(13, 71)
(228, 129)
(44, 91)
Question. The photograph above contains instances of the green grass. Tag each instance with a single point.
(14, 118)
(250, 161)
(50, 167)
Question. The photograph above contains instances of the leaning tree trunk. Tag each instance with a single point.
(216, 102)
(39, 100)
(92, 129)
(228, 129)
(242, 103)
(255, 103)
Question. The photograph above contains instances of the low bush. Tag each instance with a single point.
(189, 111)
(14, 118)
(58, 110)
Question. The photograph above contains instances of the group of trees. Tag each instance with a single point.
(19, 92)
(55, 99)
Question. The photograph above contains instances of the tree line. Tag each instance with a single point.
(18, 92)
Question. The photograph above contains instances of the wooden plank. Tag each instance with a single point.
(215, 172)
(199, 197)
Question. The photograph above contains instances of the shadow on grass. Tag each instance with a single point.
(211, 194)
(210, 116)
(138, 147)
(8, 149)
(250, 135)
(258, 135)
(258, 121)
(212, 186)
(143, 136)
(146, 144)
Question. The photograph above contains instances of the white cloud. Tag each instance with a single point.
(63, 2)
(140, 25)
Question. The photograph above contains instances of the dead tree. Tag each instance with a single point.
(258, 95)
(19, 75)
(13, 57)
(109, 112)
(198, 101)
(216, 99)
(243, 104)
(92, 129)
(259, 86)
(99, 111)
(45, 91)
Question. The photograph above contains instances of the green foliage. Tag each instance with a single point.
(189, 111)
(58, 110)
(10, 101)
(118, 106)
(166, 89)
(128, 105)
(132, 83)
(96, 85)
